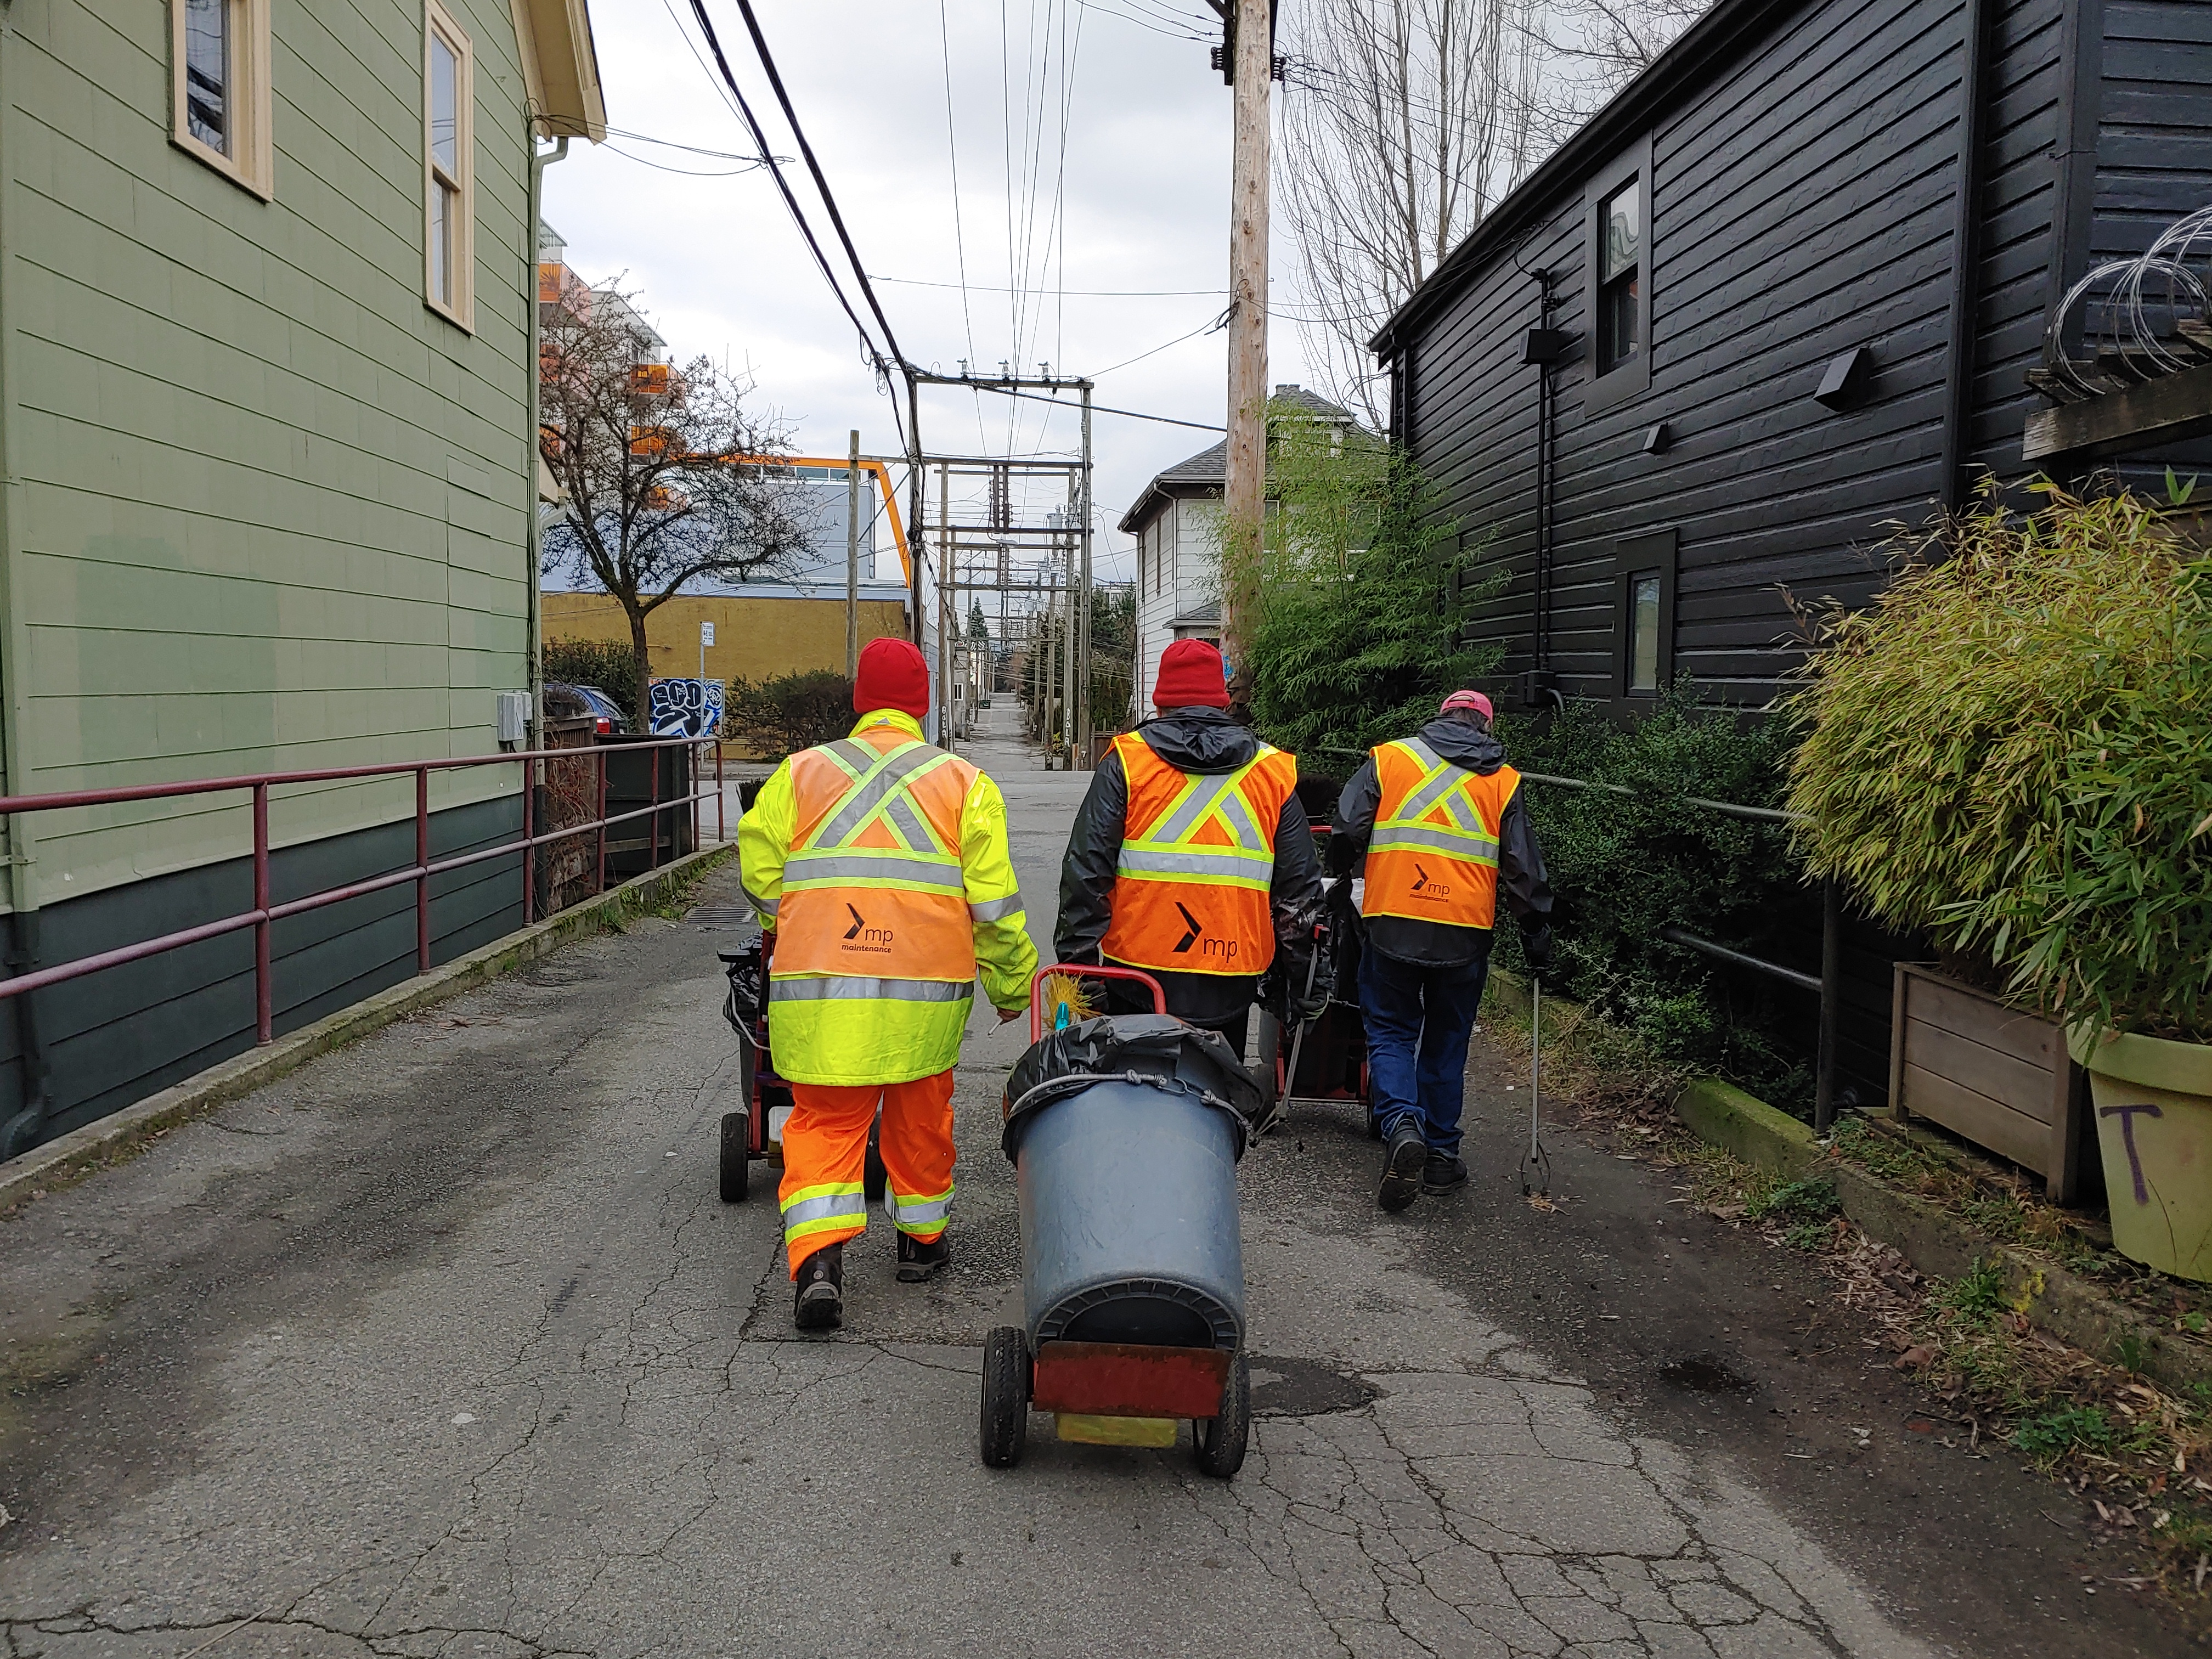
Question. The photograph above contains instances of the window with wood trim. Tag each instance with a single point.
(1644, 618)
(219, 87)
(1618, 207)
(448, 142)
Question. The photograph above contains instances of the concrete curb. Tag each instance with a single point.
(119, 1135)
(2068, 1306)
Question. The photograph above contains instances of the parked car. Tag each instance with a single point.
(566, 701)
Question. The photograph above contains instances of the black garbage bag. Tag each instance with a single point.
(747, 999)
(1157, 1050)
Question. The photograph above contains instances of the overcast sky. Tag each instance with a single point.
(1139, 245)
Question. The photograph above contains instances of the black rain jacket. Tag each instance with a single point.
(1522, 882)
(1204, 741)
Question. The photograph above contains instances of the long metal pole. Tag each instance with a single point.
(1832, 996)
(1083, 681)
(853, 562)
(1245, 494)
(944, 579)
(1067, 657)
(264, 1000)
(913, 504)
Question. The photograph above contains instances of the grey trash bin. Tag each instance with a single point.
(1124, 1132)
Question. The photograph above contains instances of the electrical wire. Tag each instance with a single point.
(1219, 323)
(790, 199)
(959, 236)
(1071, 293)
(752, 165)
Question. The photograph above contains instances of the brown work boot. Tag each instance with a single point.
(818, 1302)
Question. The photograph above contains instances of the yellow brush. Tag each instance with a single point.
(1071, 992)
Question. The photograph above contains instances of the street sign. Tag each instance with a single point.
(706, 633)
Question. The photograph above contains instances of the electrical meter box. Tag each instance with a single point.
(514, 719)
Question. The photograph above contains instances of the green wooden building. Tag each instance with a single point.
(267, 474)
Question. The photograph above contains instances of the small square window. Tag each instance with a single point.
(1643, 633)
(218, 53)
(1620, 264)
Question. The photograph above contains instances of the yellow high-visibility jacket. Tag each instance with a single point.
(881, 866)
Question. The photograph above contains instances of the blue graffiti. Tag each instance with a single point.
(686, 708)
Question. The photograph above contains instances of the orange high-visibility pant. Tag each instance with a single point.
(825, 1154)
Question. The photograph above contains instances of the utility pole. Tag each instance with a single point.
(945, 579)
(1250, 64)
(853, 562)
(1067, 654)
(914, 508)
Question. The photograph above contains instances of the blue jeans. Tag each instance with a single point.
(1419, 1021)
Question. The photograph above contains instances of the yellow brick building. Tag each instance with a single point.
(755, 637)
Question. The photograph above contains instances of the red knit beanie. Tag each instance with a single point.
(1191, 677)
(892, 676)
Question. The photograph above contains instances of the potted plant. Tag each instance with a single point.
(2012, 751)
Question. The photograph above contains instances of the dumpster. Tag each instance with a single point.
(1124, 1132)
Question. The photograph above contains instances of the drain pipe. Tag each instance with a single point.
(534, 535)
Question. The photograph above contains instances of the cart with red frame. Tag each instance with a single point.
(1330, 1053)
(1132, 1274)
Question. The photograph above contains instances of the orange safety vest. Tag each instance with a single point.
(1197, 859)
(872, 890)
(1434, 854)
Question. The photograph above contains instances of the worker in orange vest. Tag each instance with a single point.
(880, 866)
(1442, 822)
(1191, 857)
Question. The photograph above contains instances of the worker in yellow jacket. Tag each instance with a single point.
(879, 865)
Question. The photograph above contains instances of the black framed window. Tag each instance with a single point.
(1644, 618)
(1618, 207)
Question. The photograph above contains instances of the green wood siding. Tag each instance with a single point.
(269, 510)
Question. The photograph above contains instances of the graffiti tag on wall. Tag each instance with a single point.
(686, 708)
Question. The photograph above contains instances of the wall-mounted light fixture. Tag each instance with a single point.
(1657, 440)
(1846, 379)
(1547, 345)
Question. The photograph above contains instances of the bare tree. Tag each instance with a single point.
(1405, 120)
(667, 477)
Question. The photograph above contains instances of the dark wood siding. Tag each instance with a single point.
(2153, 145)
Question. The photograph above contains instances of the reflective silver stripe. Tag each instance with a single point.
(802, 1210)
(765, 907)
(1255, 868)
(1434, 789)
(1193, 807)
(852, 755)
(917, 835)
(844, 989)
(860, 803)
(1463, 813)
(1479, 849)
(923, 870)
(997, 909)
(1236, 813)
(915, 1213)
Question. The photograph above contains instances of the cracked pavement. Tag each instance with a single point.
(444, 1345)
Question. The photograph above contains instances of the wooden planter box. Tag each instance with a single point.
(2000, 1077)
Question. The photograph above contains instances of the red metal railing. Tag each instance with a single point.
(262, 917)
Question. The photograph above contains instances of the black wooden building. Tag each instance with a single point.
(1784, 290)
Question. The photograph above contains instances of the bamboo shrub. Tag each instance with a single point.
(2012, 751)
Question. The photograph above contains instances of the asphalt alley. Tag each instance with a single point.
(445, 1345)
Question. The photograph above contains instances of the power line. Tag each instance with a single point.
(790, 199)
(1071, 293)
(959, 234)
(814, 166)
(1100, 408)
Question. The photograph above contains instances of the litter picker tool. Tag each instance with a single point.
(1536, 1168)
(1297, 1042)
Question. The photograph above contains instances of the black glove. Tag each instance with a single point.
(1536, 949)
(1341, 856)
(1314, 1003)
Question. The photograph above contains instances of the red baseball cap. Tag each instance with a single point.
(1473, 700)
(892, 676)
(1191, 677)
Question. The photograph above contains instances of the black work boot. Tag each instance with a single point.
(918, 1261)
(819, 1302)
(1401, 1166)
(1443, 1174)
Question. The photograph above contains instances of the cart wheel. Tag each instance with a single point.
(737, 1156)
(1221, 1440)
(871, 1174)
(1005, 1396)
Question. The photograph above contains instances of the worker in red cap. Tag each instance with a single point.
(1191, 857)
(1442, 822)
(880, 866)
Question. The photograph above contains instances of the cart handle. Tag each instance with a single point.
(1086, 970)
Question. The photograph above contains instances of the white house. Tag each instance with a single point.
(1176, 523)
